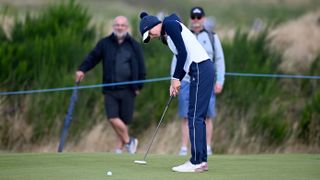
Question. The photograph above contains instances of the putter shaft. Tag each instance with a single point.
(156, 131)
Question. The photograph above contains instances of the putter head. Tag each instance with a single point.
(140, 162)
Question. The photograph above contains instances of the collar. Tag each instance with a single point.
(163, 35)
(202, 30)
(162, 30)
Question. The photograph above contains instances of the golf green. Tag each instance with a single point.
(55, 166)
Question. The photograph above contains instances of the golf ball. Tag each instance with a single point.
(109, 173)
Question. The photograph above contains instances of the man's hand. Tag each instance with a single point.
(136, 92)
(218, 88)
(79, 76)
(175, 87)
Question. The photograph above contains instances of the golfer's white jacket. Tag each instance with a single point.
(180, 41)
(217, 55)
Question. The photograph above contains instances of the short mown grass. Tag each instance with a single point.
(95, 166)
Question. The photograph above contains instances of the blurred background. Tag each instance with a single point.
(42, 42)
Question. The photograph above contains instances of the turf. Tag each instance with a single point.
(78, 166)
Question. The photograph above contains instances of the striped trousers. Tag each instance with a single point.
(201, 87)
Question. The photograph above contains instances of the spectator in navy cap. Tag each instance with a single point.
(197, 12)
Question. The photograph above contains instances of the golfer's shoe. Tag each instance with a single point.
(132, 145)
(118, 151)
(204, 166)
(183, 151)
(209, 151)
(188, 167)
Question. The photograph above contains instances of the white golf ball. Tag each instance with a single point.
(109, 173)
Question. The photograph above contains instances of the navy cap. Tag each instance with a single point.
(147, 22)
(197, 11)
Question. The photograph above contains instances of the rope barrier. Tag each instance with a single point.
(153, 80)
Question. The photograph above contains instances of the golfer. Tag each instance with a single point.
(192, 59)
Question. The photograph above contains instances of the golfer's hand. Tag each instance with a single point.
(218, 88)
(175, 87)
(79, 76)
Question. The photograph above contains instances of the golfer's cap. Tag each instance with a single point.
(147, 22)
(197, 11)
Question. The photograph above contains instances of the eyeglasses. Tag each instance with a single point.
(196, 17)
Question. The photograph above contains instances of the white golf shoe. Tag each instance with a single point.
(132, 145)
(188, 167)
(118, 151)
(204, 166)
(183, 151)
(209, 151)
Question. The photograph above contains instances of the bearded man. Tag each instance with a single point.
(122, 61)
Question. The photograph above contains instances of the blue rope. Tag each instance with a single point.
(84, 87)
(153, 80)
(273, 75)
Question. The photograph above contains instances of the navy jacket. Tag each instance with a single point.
(105, 50)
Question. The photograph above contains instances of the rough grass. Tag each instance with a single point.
(227, 12)
(95, 165)
(298, 42)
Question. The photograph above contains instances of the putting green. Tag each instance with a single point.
(33, 166)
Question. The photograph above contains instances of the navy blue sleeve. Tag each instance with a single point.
(92, 59)
(173, 29)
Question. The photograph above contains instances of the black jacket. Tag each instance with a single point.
(105, 50)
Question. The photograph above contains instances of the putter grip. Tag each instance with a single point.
(169, 101)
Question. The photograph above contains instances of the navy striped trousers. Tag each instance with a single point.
(201, 87)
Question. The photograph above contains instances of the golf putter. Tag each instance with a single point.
(143, 162)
